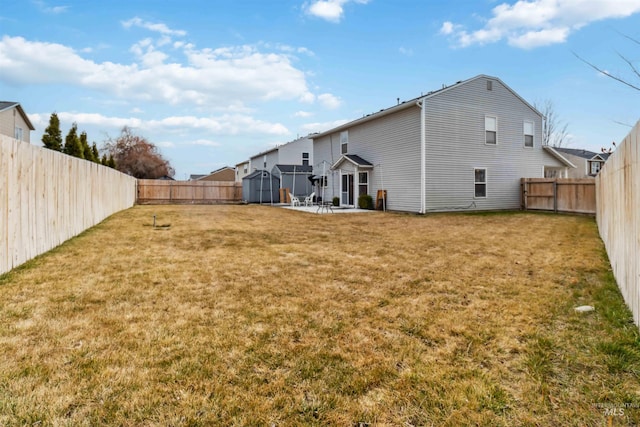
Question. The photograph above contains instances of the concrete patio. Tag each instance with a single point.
(315, 209)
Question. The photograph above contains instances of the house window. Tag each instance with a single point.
(594, 167)
(480, 182)
(344, 141)
(246, 168)
(323, 181)
(305, 159)
(491, 130)
(18, 133)
(363, 183)
(489, 85)
(528, 134)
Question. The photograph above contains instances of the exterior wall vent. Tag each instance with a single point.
(489, 85)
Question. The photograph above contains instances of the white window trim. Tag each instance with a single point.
(485, 130)
(486, 183)
(18, 133)
(533, 134)
(359, 184)
(344, 141)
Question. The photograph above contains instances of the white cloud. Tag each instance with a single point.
(159, 28)
(406, 51)
(446, 28)
(226, 124)
(165, 144)
(53, 10)
(329, 101)
(529, 24)
(208, 77)
(330, 10)
(205, 142)
(303, 114)
(321, 127)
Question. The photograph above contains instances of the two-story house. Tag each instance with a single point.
(462, 147)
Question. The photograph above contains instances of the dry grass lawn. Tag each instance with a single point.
(248, 315)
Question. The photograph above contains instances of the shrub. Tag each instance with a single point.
(365, 201)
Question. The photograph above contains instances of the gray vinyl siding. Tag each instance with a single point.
(455, 146)
(326, 151)
(392, 145)
(257, 162)
(455, 135)
(291, 152)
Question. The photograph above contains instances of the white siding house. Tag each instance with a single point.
(465, 146)
(14, 122)
(588, 163)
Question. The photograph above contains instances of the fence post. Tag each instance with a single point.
(555, 195)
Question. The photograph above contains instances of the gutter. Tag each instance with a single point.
(422, 103)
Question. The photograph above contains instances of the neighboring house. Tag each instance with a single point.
(265, 160)
(14, 122)
(226, 173)
(242, 169)
(297, 152)
(465, 146)
(588, 163)
(195, 177)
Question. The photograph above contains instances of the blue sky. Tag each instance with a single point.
(213, 82)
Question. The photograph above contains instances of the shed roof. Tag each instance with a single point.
(7, 105)
(258, 173)
(294, 168)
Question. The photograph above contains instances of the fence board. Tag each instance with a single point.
(152, 191)
(47, 197)
(559, 195)
(618, 216)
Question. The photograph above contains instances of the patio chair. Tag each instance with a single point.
(308, 201)
(294, 200)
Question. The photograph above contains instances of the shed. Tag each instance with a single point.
(261, 187)
(296, 178)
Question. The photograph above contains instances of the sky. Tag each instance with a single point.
(213, 82)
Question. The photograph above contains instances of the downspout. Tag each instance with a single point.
(423, 154)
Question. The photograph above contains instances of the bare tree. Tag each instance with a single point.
(554, 131)
(623, 80)
(136, 156)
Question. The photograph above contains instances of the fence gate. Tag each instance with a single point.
(559, 195)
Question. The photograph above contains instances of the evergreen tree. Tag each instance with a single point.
(86, 149)
(52, 137)
(104, 161)
(72, 144)
(111, 163)
(96, 154)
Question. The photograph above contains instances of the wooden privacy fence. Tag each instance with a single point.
(151, 191)
(618, 217)
(559, 195)
(47, 197)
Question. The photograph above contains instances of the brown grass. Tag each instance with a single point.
(248, 315)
